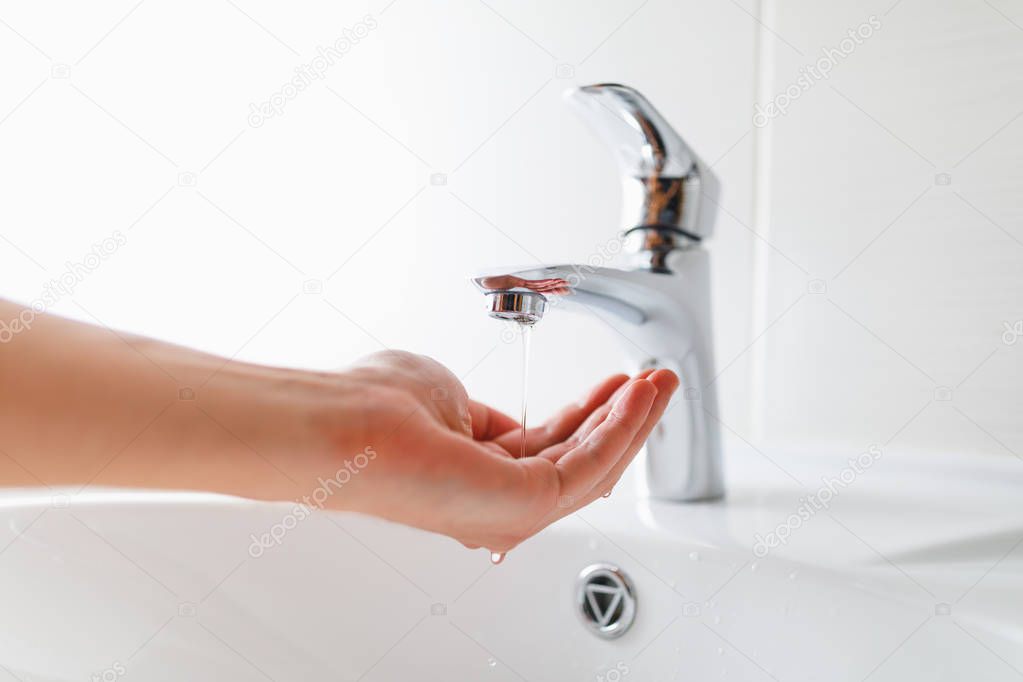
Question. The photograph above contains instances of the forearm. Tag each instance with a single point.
(83, 405)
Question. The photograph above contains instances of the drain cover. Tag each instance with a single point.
(606, 600)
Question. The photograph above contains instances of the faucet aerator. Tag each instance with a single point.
(526, 308)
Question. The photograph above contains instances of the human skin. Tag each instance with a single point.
(82, 405)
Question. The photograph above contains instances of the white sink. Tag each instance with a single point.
(915, 572)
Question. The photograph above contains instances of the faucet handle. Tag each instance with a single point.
(643, 141)
(660, 172)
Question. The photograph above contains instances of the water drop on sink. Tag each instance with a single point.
(607, 494)
(492, 663)
(496, 557)
(721, 651)
(593, 544)
(694, 556)
(754, 566)
(793, 575)
(717, 620)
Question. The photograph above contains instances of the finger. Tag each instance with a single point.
(600, 414)
(590, 461)
(592, 421)
(561, 426)
(488, 423)
(667, 383)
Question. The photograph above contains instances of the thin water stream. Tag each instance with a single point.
(526, 332)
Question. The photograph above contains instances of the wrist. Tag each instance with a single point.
(304, 429)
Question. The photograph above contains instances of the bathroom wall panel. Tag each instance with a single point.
(895, 185)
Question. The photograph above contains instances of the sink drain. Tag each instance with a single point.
(606, 600)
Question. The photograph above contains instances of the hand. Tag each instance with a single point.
(448, 464)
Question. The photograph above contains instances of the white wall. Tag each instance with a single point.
(338, 189)
(896, 183)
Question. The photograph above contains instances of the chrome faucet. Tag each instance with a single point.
(663, 300)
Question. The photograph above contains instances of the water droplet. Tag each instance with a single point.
(717, 620)
(607, 494)
(492, 663)
(496, 557)
(754, 566)
(793, 575)
(593, 544)
(694, 556)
